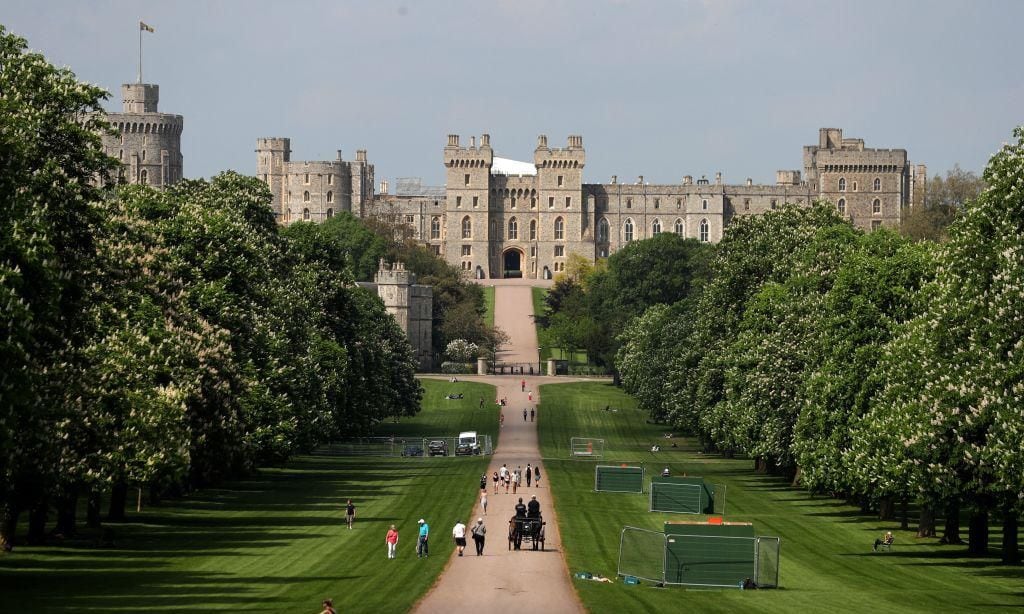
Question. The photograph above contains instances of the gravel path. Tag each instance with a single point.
(502, 580)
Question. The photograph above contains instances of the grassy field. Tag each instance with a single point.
(276, 542)
(488, 305)
(827, 564)
(547, 351)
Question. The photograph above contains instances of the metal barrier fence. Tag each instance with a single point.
(423, 447)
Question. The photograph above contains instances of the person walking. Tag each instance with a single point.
(483, 481)
(536, 475)
(483, 500)
(422, 546)
(533, 412)
(495, 477)
(529, 474)
(350, 513)
(524, 415)
(501, 419)
(391, 539)
(481, 402)
(515, 481)
(459, 534)
(522, 385)
(479, 532)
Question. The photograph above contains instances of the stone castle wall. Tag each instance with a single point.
(147, 142)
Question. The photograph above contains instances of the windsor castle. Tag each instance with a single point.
(498, 217)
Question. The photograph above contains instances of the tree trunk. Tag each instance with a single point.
(904, 514)
(67, 508)
(796, 477)
(926, 522)
(977, 539)
(92, 510)
(1011, 548)
(951, 530)
(8, 524)
(118, 498)
(886, 509)
(37, 524)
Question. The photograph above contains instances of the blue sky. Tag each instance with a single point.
(662, 89)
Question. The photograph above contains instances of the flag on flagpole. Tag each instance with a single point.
(143, 26)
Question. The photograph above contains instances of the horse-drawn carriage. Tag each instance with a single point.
(528, 529)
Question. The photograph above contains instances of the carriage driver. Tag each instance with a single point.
(520, 509)
(533, 509)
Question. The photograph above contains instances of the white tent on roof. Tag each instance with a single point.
(504, 166)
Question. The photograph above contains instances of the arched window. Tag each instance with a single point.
(305, 214)
(704, 204)
(330, 213)
(559, 229)
(842, 184)
(330, 197)
(144, 177)
(704, 231)
(602, 231)
(513, 229)
(143, 155)
(305, 196)
(435, 227)
(533, 230)
(878, 184)
(841, 206)
(655, 227)
(876, 206)
(467, 228)
(627, 230)
(679, 227)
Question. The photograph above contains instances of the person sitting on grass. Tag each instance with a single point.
(328, 606)
(886, 540)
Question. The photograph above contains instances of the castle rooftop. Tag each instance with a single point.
(504, 166)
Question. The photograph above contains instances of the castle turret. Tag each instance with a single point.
(148, 143)
(468, 222)
(272, 156)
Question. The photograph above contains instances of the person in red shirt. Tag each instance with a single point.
(391, 539)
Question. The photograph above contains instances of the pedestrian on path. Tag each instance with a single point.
(522, 384)
(422, 547)
(350, 513)
(533, 412)
(515, 481)
(501, 419)
(483, 500)
(391, 539)
(529, 474)
(483, 481)
(479, 535)
(524, 415)
(459, 533)
(495, 482)
(536, 475)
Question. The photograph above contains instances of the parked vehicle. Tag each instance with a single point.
(468, 445)
(412, 451)
(438, 447)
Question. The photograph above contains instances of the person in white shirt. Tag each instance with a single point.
(459, 533)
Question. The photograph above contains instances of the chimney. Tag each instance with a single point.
(718, 178)
(383, 186)
(485, 140)
(453, 140)
(360, 155)
(472, 141)
(750, 182)
(687, 179)
(615, 179)
(640, 180)
(542, 141)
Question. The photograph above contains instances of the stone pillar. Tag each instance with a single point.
(552, 369)
(481, 366)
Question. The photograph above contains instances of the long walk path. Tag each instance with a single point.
(503, 580)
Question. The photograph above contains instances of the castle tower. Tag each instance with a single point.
(362, 184)
(561, 214)
(272, 157)
(148, 143)
(469, 227)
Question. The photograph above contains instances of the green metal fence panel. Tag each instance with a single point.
(618, 479)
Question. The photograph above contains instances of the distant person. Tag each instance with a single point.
(459, 534)
(533, 508)
(481, 402)
(391, 539)
(495, 478)
(515, 481)
(665, 472)
(529, 396)
(483, 500)
(479, 532)
(422, 546)
(524, 415)
(350, 513)
(522, 385)
(328, 607)
(520, 509)
(533, 412)
(748, 584)
(483, 481)
(536, 475)
(885, 540)
(501, 419)
(529, 475)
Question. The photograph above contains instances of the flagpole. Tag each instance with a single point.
(140, 53)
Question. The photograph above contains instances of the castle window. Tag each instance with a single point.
(746, 204)
(854, 186)
(513, 229)
(435, 227)
(122, 138)
(330, 197)
(559, 181)
(876, 224)
(305, 196)
(559, 251)
(774, 203)
(679, 227)
(330, 180)
(657, 203)
(330, 213)
(878, 184)
(467, 250)
(437, 250)
(842, 184)
(533, 251)
(467, 228)
(512, 202)
(704, 231)
(629, 203)
(120, 154)
(476, 201)
(876, 206)
(704, 204)
(144, 177)
(568, 201)
(143, 155)
(679, 203)
(655, 227)
(307, 179)
(458, 202)
(409, 219)
(533, 230)
(551, 202)
(627, 230)
(467, 178)
(533, 203)
(602, 231)
(305, 214)
(559, 229)
(841, 206)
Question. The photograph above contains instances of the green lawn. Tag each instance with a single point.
(489, 305)
(826, 565)
(275, 542)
